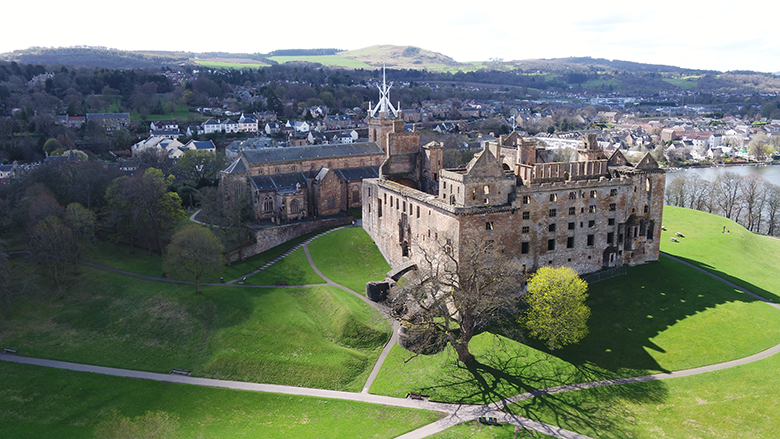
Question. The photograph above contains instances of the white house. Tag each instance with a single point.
(247, 123)
(230, 126)
(212, 126)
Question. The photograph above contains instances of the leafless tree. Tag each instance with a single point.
(456, 294)
(726, 191)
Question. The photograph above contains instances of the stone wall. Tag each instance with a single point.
(273, 236)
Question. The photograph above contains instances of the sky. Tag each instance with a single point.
(702, 34)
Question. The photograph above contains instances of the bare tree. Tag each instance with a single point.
(676, 192)
(752, 198)
(52, 242)
(725, 194)
(456, 295)
(772, 209)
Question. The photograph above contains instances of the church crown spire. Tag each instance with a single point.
(384, 108)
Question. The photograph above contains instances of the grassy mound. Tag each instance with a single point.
(294, 269)
(349, 257)
(739, 256)
(316, 337)
(37, 402)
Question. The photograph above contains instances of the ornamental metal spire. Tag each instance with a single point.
(384, 108)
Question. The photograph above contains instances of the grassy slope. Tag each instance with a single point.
(740, 256)
(475, 430)
(227, 332)
(293, 269)
(641, 323)
(37, 402)
(349, 257)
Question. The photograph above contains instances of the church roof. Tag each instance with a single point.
(238, 167)
(270, 155)
(351, 174)
(279, 181)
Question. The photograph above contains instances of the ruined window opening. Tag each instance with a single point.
(572, 211)
(486, 189)
(553, 197)
(581, 224)
(391, 201)
(489, 225)
(634, 188)
(551, 227)
(572, 195)
(385, 198)
(404, 209)
(647, 208)
(620, 238)
(610, 237)
(591, 224)
(474, 194)
(650, 231)
(418, 211)
(633, 210)
(525, 229)
(524, 250)
(582, 210)
(570, 242)
(591, 240)
(642, 229)
(611, 221)
(593, 194)
(612, 192)
(526, 199)
(553, 213)
(452, 199)
(612, 207)
(379, 210)
(591, 209)
(369, 191)
(571, 226)
(647, 185)
(369, 208)
(550, 245)
(635, 231)
(444, 183)
(526, 215)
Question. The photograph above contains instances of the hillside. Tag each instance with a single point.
(401, 57)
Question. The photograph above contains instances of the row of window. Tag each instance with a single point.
(573, 195)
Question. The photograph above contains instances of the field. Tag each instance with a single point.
(358, 259)
(685, 82)
(231, 64)
(326, 60)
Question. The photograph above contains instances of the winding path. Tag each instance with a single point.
(456, 413)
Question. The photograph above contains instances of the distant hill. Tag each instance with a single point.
(96, 57)
(401, 57)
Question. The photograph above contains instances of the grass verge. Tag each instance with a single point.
(38, 402)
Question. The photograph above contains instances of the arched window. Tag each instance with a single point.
(355, 195)
(294, 206)
(268, 204)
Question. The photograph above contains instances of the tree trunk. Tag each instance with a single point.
(464, 356)
(197, 284)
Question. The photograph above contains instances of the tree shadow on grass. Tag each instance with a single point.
(506, 372)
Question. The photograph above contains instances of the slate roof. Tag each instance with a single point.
(278, 181)
(351, 174)
(206, 144)
(310, 152)
(237, 167)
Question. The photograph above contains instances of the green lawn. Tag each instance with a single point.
(294, 269)
(37, 402)
(473, 429)
(741, 257)
(641, 323)
(738, 402)
(227, 332)
(349, 257)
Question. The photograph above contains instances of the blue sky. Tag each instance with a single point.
(713, 34)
